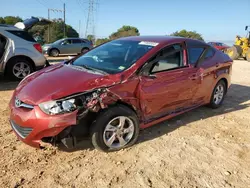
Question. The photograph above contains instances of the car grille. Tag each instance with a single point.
(23, 132)
(20, 104)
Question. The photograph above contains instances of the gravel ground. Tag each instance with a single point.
(202, 148)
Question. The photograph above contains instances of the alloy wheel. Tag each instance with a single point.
(118, 132)
(218, 94)
(21, 70)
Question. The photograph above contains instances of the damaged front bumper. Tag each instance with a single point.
(33, 126)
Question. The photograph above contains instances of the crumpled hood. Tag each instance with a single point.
(60, 81)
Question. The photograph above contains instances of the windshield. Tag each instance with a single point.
(58, 41)
(115, 56)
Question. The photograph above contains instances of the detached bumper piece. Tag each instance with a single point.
(23, 132)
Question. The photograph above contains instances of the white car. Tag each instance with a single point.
(20, 54)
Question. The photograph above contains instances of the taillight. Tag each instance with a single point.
(38, 48)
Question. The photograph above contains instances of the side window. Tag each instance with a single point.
(210, 53)
(171, 61)
(194, 54)
(67, 41)
(76, 41)
(83, 41)
(22, 34)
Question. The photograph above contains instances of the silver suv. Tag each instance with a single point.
(20, 54)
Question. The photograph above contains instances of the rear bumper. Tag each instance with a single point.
(31, 125)
(42, 66)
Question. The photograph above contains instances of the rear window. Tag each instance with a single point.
(23, 34)
(194, 54)
(210, 53)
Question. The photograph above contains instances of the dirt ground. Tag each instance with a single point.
(202, 148)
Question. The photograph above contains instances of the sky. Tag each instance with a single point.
(216, 20)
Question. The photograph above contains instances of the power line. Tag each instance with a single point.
(41, 3)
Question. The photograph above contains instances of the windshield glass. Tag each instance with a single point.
(58, 41)
(115, 56)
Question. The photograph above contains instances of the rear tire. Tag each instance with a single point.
(84, 50)
(18, 68)
(218, 95)
(248, 55)
(54, 52)
(106, 126)
(233, 53)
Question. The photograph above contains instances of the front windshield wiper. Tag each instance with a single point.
(91, 68)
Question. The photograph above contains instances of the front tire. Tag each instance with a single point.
(233, 53)
(115, 128)
(18, 68)
(218, 95)
(248, 55)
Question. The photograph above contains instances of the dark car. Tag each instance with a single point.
(118, 88)
(67, 46)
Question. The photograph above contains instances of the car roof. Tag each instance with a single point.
(75, 38)
(8, 27)
(161, 39)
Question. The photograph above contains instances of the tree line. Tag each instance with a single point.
(41, 32)
(55, 32)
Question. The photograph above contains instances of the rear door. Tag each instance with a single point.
(200, 57)
(170, 86)
(66, 47)
(77, 46)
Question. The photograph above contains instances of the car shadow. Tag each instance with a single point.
(81, 145)
(234, 101)
(6, 85)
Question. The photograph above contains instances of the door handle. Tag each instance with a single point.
(194, 77)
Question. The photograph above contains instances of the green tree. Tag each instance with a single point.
(2, 21)
(12, 20)
(125, 31)
(56, 31)
(91, 38)
(188, 34)
(101, 41)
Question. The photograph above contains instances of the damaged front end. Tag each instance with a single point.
(87, 105)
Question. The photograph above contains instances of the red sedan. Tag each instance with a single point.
(219, 45)
(118, 88)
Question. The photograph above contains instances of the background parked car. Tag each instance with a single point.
(20, 54)
(219, 45)
(67, 46)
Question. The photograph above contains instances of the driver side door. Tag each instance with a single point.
(66, 47)
(169, 87)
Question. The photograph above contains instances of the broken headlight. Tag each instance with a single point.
(58, 107)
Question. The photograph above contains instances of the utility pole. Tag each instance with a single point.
(48, 27)
(79, 28)
(90, 25)
(64, 25)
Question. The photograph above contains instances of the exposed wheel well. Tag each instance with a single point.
(20, 56)
(119, 102)
(226, 82)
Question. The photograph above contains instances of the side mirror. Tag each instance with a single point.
(147, 75)
(246, 28)
(152, 76)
